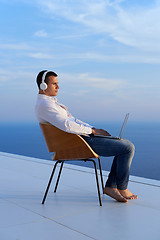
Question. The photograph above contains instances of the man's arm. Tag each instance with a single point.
(103, 132)
(49, 111)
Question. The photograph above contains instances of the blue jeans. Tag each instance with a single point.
(123, 150)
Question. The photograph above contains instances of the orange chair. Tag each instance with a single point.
(68, 146)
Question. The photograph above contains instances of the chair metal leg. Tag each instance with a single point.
(58, 177)
(60, 171)
(49, 183)
(100, 168)
(96, 173)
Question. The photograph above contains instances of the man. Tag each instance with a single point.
(49, 110)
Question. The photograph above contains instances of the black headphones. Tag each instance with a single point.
(43, 85)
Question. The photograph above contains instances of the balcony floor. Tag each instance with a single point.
(73, 212)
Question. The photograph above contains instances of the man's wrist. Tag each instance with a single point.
(93, 130)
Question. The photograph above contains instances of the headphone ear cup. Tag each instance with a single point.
(43, 86)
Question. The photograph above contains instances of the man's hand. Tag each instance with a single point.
(103, 132)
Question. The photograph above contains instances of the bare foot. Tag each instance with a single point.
(127, 194)
(114, 193)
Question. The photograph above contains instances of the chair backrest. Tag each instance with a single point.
(66, 145)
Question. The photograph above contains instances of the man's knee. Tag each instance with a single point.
(130, 146)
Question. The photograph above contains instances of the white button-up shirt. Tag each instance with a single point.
(49, 110)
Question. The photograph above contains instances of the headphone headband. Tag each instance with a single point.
(44, 76)
(43, 85)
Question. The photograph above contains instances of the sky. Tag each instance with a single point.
(106, 54)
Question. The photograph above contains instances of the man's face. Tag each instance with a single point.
(53, 86)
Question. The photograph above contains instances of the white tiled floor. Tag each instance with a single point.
(74, 211)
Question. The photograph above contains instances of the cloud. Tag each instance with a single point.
(39, 55)
(123, 58)
(15, 78)
(102, 83)
(135, 25)
(41, 33)
(108, 90)
(15, 46)
(71, 36)
(87, 82)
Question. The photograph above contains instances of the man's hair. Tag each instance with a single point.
(40, 74)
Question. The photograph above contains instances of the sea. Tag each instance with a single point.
(26, 139)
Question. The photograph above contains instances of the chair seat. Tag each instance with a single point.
(66, 145)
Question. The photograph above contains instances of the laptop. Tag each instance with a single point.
(121, 131)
